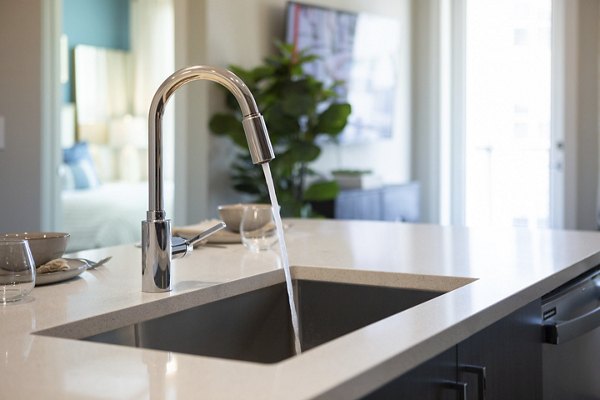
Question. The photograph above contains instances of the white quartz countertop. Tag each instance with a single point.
(496, 270)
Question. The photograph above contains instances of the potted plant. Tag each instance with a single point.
(298, 111)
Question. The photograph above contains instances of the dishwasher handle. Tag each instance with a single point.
(559, 332)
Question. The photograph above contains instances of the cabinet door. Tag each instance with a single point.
(358, 204)
(433, 380)
(401, 203)
(511, 353)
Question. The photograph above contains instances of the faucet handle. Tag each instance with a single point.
(180, 246)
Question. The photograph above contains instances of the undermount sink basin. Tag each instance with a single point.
(256, 326)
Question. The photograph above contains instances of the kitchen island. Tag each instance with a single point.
(485, 274)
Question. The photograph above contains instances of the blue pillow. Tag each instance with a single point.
(80, 166)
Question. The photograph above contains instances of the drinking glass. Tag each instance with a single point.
(257, 228)
(17, 270)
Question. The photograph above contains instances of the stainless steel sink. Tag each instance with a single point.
(255, 326)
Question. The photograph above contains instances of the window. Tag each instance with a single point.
(507, 118)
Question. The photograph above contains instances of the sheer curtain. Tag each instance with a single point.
(153, 49)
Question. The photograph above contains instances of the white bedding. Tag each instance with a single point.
(108, 215)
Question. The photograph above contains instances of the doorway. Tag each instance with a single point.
(113, 71)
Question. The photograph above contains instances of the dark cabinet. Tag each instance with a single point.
(388, 203)
(503, 361)
(432, 380)
(509, 354)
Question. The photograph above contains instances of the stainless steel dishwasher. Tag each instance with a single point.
(571, 349)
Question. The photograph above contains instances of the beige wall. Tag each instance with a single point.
(21, 105)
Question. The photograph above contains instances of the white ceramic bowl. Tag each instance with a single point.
(44, 246)
(231, 214)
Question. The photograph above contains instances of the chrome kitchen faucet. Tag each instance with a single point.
(156, 229)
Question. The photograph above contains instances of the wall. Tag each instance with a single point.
(96, 23)
(426, 103)
(256, 24)
(21, 105)
(191, 139)
(575, 110)
(587, 117)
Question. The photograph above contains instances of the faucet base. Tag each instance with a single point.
(156, 256)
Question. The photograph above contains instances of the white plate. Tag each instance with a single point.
(76, 267)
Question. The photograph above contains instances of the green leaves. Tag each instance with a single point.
(320, 191)
(296, 98)
(333, 120)
(302, 152)
(282, 127)
(298, 109)
(222, 124)
(227, 124)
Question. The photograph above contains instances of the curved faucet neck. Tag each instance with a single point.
(254, 127)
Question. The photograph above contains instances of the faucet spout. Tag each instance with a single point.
(156, 229)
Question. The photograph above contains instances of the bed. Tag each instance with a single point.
(107, 215)
(99, 210)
